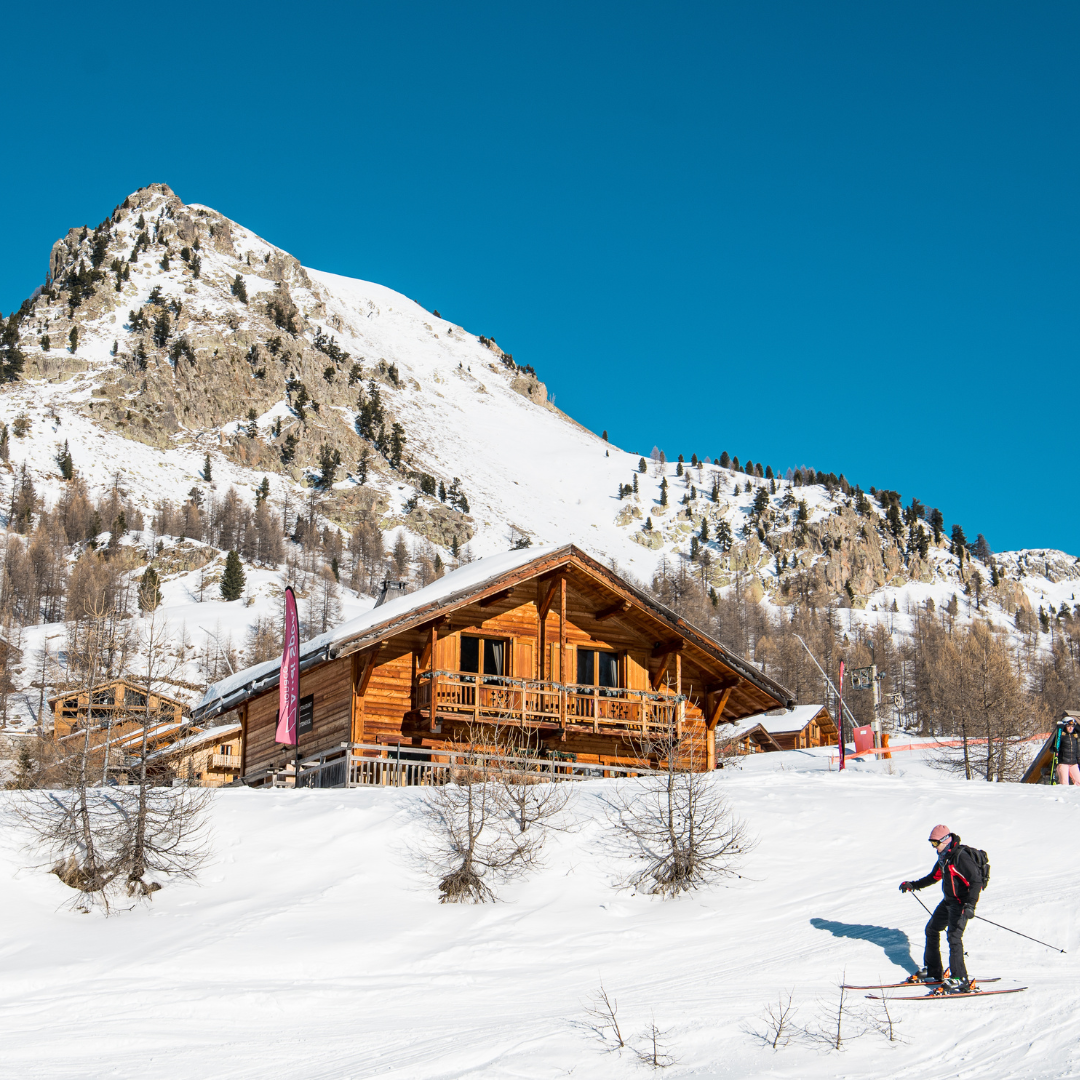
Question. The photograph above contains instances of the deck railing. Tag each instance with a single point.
(487, 699)
(376, 765)
(225, 761)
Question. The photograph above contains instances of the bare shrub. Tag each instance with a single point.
(779, 1020)
(472, 845)
(676, 824)
(836, 1022)
(651, 1048)
(602, 1012)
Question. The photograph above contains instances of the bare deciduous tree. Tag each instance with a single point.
(676, 824)
(471, 842)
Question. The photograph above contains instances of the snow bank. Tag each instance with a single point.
(312, 946)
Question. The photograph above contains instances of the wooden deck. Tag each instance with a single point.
(530, 703)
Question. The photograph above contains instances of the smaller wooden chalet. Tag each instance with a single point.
(549, 644)
(111, 706)
(208, 757)
(1039, 771)
(796, 728)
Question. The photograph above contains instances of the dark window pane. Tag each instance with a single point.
(494, 657)
(609, 669)
(470, 654)
(104, 697)
(134, 700)
(586, 666)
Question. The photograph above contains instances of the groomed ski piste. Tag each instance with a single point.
(313, 945)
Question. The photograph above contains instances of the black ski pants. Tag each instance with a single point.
(948, 916)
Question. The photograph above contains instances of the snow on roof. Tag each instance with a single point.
(211, 734)
(465, 579)
(779, 723)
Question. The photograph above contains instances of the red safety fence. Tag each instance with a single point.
(945, 744)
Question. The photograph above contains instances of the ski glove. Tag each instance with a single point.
(906, 886)
(969, 912)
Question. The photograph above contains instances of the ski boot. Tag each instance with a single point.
(921, 976)
(956, 986)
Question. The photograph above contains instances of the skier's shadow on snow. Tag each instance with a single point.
(895, 942)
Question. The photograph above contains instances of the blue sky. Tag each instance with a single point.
(842, 235)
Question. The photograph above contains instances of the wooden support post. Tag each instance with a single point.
(680, 707)
(432, 720)
(562, 656)
(710, 728)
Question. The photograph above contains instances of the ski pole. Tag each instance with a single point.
(1000, 927)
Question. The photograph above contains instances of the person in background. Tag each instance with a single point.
(1068, 758)
(961, 880)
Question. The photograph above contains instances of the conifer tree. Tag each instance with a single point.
(233, 580)
(635, 483)
(73, 339)
(63, 460)
(442, 491)
(704, 535)
(162, 329)
(362, 467)
(641, 466)
(937, 523)
(397, 445)
(769, 474)
(239, 289)
(252, 424)
(725, 460)
(207, 472)
(648, 524)
(262, 492)
(454, 546)
(663, 492)
(679, 468)
(149, 590)
(46, 343)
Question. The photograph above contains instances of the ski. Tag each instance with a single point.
(945, 997)
(1054, 759)
(901, 985)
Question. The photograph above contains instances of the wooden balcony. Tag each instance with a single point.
(490, 699)
(225, 761)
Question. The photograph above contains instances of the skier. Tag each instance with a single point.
(1068, 757)
(961, 881)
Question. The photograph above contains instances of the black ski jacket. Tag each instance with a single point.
(959, 874)
(1069, 748)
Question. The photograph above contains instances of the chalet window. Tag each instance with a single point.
(491, 651)
(597, 668)
(104, 697)
(134, 700)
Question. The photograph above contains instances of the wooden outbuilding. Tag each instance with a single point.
(796, 728)
(1039, 771)
(112, 709)
(208, 757)
(549, 644)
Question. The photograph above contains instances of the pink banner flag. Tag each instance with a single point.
(289, 683)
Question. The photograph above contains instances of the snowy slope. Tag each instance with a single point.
(312, 946)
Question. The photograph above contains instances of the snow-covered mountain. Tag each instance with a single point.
(170, 333)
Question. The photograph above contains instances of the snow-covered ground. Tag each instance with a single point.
(313, 947)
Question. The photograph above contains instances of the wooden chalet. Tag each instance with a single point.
(548, 644)
(208, 757)
(1039, 771)
(116, 705)
(782, 729)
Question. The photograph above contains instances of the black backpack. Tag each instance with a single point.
(982, 860)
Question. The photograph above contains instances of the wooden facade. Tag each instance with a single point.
(115, 706)
(552, 647)
(799, 728)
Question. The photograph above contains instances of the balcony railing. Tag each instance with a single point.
(225, 761)
(493, 699)
(374, 765)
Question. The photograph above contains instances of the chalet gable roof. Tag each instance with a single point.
(788, 721)
(129, 683)
(464, 586)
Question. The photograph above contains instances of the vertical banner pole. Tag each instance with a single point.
(288, 728)
(840, 713)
